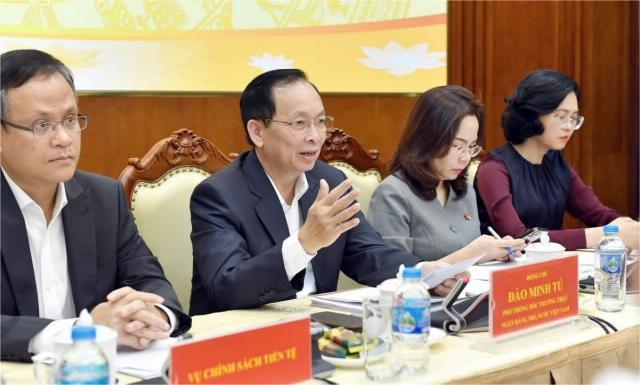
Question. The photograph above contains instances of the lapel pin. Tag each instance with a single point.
(468, 216)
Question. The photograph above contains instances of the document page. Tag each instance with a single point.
(146, 363)
(438, 276)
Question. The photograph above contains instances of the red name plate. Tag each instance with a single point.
(278, 353)
(530, 296)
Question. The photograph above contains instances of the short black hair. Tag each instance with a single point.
(256, 101)
(539, 93)
(19, 66)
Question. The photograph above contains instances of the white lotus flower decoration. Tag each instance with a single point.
(401, 61)
(267, 62)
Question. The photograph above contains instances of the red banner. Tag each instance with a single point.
(533, 295)
(276, 354)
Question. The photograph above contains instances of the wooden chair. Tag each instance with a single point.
(159, 187)
(365, 168)
(473, 170)
(474, 164)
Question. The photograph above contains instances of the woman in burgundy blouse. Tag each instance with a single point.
(527, 182)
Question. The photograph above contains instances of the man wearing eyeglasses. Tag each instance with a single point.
(68, 239)
(278, 223)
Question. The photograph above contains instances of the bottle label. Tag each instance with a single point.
(412, 318)
(612, 263)
(84, 374)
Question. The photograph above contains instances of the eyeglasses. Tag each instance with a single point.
(321, 122)
(462, 150)
(71, 124)
(562, 119)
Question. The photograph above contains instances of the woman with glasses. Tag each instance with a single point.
(426, 205)
(527, 183)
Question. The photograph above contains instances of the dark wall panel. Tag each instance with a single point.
(594, 42)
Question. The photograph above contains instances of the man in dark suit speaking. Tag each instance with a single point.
(69, 241)
(277, 223)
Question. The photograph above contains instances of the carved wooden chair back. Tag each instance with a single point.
(159, 187)
(365, 168)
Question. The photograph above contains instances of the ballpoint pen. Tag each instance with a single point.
(496, 236)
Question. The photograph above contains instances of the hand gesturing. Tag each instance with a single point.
(330, 215)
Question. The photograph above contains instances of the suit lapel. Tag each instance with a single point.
(16, 254)
(306, 200)
(79, 232)
(268, 208)
(270, 212)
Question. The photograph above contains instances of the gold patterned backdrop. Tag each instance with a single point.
(219, 45)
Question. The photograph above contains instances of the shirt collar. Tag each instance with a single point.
(24, 200)
(300, 188)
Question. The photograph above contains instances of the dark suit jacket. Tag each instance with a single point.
(238, 228)
(104, 252)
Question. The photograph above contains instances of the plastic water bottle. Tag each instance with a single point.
(84, 362)
(411, 319)
(610, 273)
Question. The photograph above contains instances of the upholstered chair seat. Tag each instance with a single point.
(472, 170)
(159, 188)
(366, 181)
(365, 169)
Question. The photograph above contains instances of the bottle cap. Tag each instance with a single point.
(84, 319)
(412, 272)
(610, 229)
(83, 333)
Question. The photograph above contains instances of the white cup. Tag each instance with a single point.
(106, 338)
(544, 250)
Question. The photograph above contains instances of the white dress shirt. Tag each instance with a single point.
(48, 248)
(293, 255)
(49, 259)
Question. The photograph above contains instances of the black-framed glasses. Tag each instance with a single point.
(461, 150)
(71, 124)
(322, 122)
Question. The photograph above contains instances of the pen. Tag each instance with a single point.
(496, 236)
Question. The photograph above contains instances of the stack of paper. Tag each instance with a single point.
(440, 275)
(146, 363)
(349, 301)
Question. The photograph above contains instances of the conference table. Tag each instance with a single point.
(573, 352)
(568, 353)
